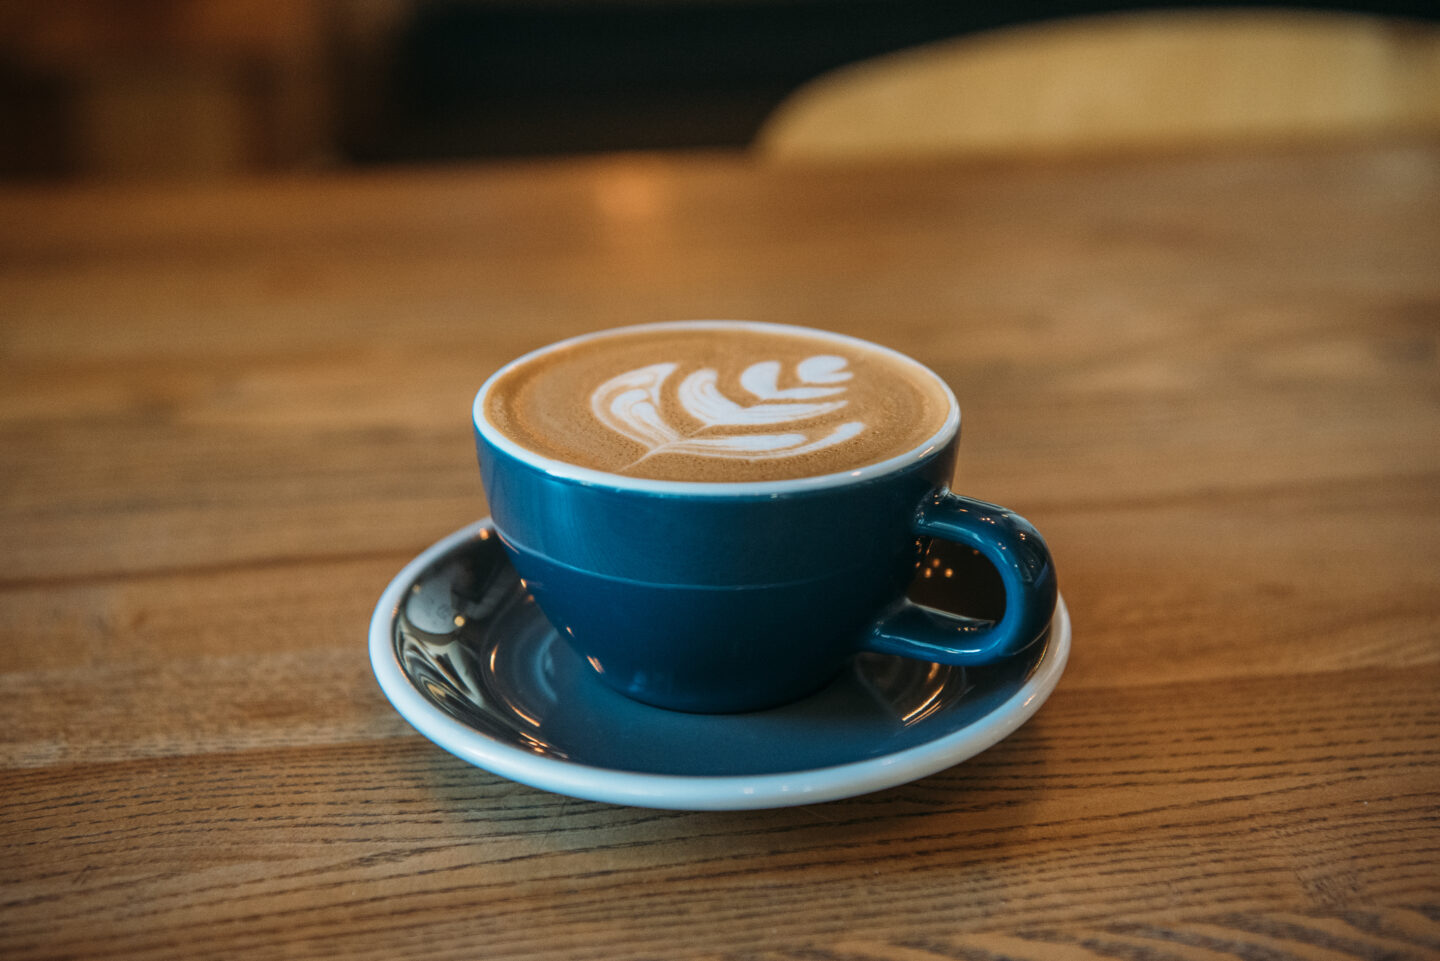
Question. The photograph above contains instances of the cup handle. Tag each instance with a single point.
(1017, 551)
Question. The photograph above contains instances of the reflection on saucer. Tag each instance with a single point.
(466, 656)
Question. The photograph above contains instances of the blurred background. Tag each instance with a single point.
(207, 88)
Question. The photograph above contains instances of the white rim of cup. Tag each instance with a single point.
(588, 475)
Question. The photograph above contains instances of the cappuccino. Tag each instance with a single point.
(717, 402)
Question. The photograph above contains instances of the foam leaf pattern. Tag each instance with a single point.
(631, 405)
(702, 400)
(763, 379)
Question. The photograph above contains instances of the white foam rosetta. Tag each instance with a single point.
(630, 405)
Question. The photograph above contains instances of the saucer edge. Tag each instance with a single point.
(690, 792)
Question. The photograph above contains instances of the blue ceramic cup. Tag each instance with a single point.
(736, 596)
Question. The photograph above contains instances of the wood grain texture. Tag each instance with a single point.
(229, 414)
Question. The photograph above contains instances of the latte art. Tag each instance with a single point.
(631, 404)
(716, 402)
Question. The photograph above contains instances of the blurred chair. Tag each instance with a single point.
(1154, 80)
(154, 88)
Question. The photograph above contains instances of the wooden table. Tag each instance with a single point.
(230, 414)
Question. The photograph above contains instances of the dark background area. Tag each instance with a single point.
(204, 88)
(505, 79)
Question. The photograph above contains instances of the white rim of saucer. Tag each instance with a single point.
(692, 792)
(586, 475)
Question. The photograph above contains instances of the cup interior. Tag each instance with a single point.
(493, 435)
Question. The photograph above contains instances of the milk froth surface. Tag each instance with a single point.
(725, 403)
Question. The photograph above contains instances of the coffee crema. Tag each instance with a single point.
(717, 402)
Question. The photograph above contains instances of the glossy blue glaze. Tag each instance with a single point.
(1018, 553)
(679, 539)
(465, 638)
(735, 602)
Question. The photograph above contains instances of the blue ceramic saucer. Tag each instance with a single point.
(466, 657)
